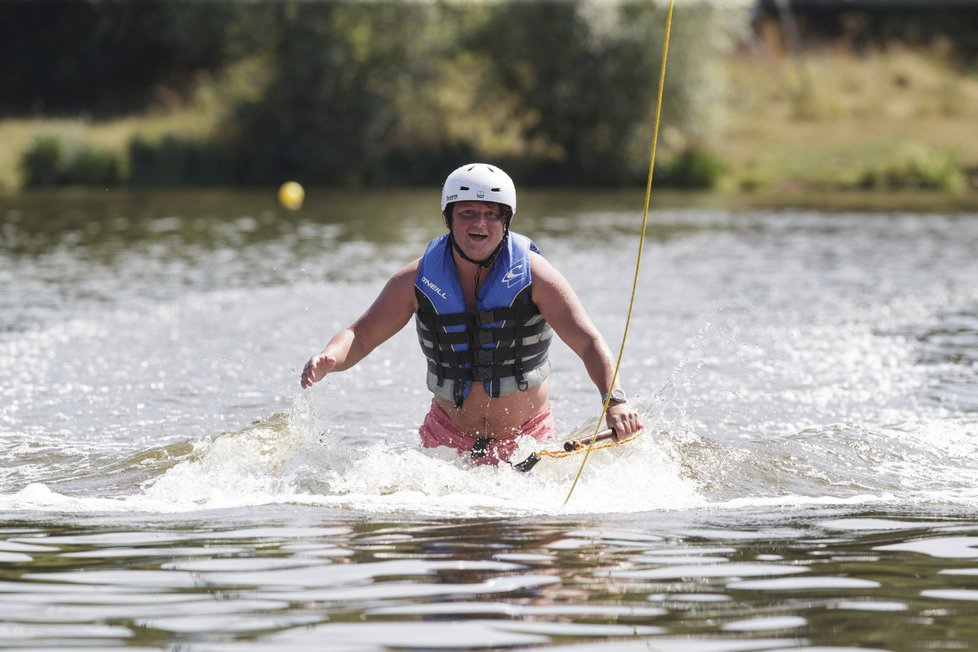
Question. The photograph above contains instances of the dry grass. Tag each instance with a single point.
(828, 120)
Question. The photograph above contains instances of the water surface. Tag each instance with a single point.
(807, 479)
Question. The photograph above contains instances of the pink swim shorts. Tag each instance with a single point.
(439, 430)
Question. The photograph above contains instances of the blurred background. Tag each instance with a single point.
(763, 97)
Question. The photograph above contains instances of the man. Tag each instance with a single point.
(486, 305)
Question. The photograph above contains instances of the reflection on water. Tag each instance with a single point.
(806, 479)
(472, 584)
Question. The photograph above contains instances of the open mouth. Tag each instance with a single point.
(479, 237)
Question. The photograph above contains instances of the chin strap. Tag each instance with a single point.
(485, 262)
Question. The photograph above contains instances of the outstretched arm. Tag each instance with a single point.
(390, 311)
(561, 307)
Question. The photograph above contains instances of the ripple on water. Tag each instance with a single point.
(942, 547)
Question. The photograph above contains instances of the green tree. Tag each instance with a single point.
(585, 76)
(382, 93)
(109, 57)
(331, 111)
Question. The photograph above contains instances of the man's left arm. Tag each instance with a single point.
(563, 310)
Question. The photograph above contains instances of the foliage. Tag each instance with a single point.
(917, 168)
(584, 87)
(559, 92)
(329, 111)
(53, 161)
(388, 93)
(690, 169)
(581, 90)
(177, 162)
(111, 56)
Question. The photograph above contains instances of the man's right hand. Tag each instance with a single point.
(316, 369)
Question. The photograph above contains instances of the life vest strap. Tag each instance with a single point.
(425, 321)
(484, 336)
(519, 312)
(497, 355)
(487, 371)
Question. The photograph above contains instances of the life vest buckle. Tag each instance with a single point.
(485, 317)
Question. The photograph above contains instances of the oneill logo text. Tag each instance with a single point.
(437, 290)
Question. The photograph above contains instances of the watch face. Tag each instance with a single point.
(618, 395)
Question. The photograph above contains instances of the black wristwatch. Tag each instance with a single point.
(617, 396)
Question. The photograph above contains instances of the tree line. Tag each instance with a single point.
(377, 93)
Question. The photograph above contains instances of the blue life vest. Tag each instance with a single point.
(504, 344)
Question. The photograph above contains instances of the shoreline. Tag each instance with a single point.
(264, 198)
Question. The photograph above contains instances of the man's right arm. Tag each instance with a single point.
(388, 314)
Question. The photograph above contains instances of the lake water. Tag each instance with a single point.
(807, 479)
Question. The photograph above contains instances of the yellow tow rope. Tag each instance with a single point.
(641, 243)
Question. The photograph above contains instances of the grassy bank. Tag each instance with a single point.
(836, 119)
(834, 123)
(194, 118)
(18, 134)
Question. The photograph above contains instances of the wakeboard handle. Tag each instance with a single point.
(569, 447)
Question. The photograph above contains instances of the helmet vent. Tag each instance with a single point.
(494, 189)
(464, 188)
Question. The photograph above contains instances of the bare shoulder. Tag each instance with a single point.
(545, 275)
(560, 306)
(401, 284)
(391, 309)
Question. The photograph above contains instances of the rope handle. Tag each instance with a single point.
(603, 439)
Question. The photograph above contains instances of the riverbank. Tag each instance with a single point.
(834, 130)
(841, 121)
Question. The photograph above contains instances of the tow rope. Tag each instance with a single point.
(593, 440)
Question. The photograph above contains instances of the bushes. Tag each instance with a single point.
(690, 169)
(917, 168)
(64, 160)
(178, 162)
(55, 161)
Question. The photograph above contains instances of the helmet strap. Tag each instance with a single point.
(485, 262)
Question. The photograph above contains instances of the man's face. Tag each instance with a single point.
(478, 227)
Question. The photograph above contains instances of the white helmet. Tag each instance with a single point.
(479, 182)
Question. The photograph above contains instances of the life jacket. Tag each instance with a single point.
(504, 344)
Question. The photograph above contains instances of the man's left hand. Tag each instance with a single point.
(623, 420)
